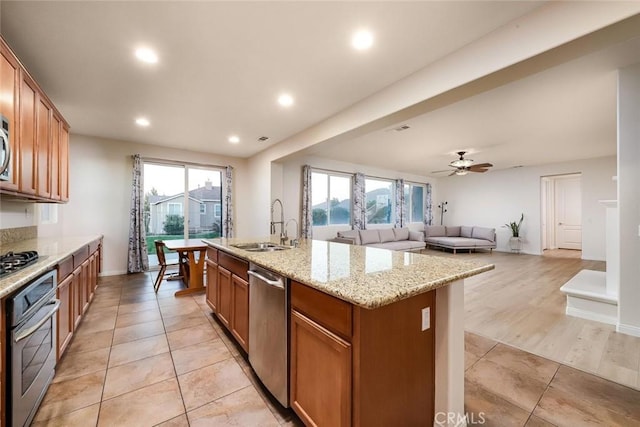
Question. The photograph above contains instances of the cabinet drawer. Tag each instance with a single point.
(80, 256)
(212, 254)
(328, 311)
(93, 246)
(235, 265)
(65, 268)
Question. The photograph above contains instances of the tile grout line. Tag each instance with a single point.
(542, 395)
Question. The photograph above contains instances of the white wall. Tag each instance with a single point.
(16, 213)
(500, 196)
(629, 198)
(292, 187)
(100, 192)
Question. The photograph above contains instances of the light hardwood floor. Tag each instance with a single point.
(520, 304)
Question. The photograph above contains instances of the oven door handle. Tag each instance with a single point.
(32, 330)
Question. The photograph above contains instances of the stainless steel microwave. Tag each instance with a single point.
(5, 149)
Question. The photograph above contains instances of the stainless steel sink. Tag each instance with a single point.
(260, 247)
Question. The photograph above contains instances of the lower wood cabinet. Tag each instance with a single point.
(228, 293)
(65, 317)
(76, 288)
(320, 374)
(212, 285)
(224, 296)
(240, 311)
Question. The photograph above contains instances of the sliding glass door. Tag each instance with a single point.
(180, 202)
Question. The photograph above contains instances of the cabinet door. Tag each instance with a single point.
(54, 163)
(9, 84)
(240, 311)
(224, 296)
(63, 175)
(78, 296)
(212, 285)
(86, 285)
(28, 145)
(43, 142)
(320, 374)
(65, 317)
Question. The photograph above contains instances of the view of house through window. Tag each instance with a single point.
(413, 209)
(379, 201)
(180, 202)
(330, 198)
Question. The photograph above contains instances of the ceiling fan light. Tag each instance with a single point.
(461, 172)
(461, 163)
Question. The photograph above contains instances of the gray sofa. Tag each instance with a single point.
(460, 237)
(395, 239)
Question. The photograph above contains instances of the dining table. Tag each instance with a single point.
(192, 267)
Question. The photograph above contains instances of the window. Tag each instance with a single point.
(217, 210)
(413, 209)
(379, 201)
(330, 198)
(174, 208)
(203, 209)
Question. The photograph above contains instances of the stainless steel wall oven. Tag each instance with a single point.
(31, 347)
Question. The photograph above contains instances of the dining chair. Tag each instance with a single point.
(162, 262)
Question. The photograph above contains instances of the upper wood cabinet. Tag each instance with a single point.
(38, 135)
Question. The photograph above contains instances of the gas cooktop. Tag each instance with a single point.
(14, 261)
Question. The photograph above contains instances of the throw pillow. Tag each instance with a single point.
(435, 231)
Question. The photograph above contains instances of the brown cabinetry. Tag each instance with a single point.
(77, 281)
(38, 135)
(361, 367)
(228, 293)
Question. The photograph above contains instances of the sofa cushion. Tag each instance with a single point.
(401, 233)
(483, 233)
(460, 242)
(435, 231)
(387, 235)
(350, 234)
(453, 231)
(369, 236)
(402, 245)
(416, 236)
(466, 231)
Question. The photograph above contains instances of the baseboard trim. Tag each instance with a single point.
(589, 315)
(112, 273)
(628, 329)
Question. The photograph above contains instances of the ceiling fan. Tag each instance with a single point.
(463, 166)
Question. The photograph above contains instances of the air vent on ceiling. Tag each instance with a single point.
(263, 138)
(401, 128)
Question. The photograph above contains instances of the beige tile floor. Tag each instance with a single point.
(144, 360)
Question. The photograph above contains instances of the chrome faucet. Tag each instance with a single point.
(293, 242)
(283, 233)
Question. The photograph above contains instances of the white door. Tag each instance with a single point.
(568, 213)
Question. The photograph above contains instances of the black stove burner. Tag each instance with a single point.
(11, 262)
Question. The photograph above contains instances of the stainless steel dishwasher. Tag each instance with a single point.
(269, 330)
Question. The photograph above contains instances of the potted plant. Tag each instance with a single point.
(515, 242)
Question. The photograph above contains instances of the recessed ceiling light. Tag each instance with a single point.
(285, 100)
(234, 139)
(146, 55)
(144, 122)
(362, 40)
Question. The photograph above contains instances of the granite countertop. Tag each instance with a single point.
(364, 276)
(51, 251)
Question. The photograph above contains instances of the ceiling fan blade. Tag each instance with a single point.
(446, 170)
(478, 170)
(481, 165)
(452, 173)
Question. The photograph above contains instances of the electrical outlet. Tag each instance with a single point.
(426, 318)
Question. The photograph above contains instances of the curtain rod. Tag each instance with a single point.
(366, 175)
(173, 162)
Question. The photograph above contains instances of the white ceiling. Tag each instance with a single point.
(564, 113)
(222, 65)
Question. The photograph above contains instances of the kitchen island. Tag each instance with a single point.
(376, 336)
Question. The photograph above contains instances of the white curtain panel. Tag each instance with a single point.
(428, 214)
(227, 208)
(306, 223)
(138, 257)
